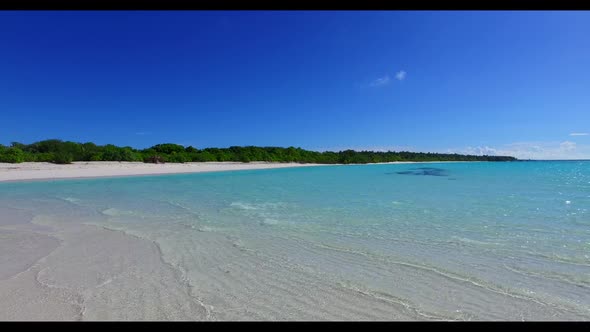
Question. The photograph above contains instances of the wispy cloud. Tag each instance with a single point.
(567, 146)
(532, 150)
(400, 75)
(381, 81)
(141, 133)
(386, 80)
(579, 134)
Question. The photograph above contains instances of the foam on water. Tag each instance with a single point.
(505, 241)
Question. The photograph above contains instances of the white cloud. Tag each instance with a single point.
(532, 150)
(579, 134)
(381, 81)
(567, 146)
(400, 75)
(385, 80)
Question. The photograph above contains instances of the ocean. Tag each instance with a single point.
(424, 241)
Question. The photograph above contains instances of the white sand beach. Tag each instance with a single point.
(91, 169)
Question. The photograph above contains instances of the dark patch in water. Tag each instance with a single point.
(432, 171)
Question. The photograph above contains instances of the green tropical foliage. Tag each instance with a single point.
(11, 155)
(58, 151)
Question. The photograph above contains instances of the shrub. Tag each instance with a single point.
(12, 155)
(127, 154)
(29, 157)
(178, 157)
(96, 157)
(44, 157)
(203, 156)
(62, 158)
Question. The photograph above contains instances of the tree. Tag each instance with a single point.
(55, 150)
(168, 148)
(190, 149)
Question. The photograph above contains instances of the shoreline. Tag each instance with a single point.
(70, 256)
(42, 171)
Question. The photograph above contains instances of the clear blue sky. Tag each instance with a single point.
(480, 82)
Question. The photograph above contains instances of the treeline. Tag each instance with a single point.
(65, 152)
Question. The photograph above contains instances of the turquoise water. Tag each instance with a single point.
(466, 241)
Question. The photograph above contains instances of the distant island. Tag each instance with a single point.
(65, 152)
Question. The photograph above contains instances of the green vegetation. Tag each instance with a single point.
(62, 158)
(57, 151)
(11, 155)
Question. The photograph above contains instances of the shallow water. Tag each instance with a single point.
(445, 241)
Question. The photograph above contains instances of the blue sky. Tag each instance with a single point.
(478, 82)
